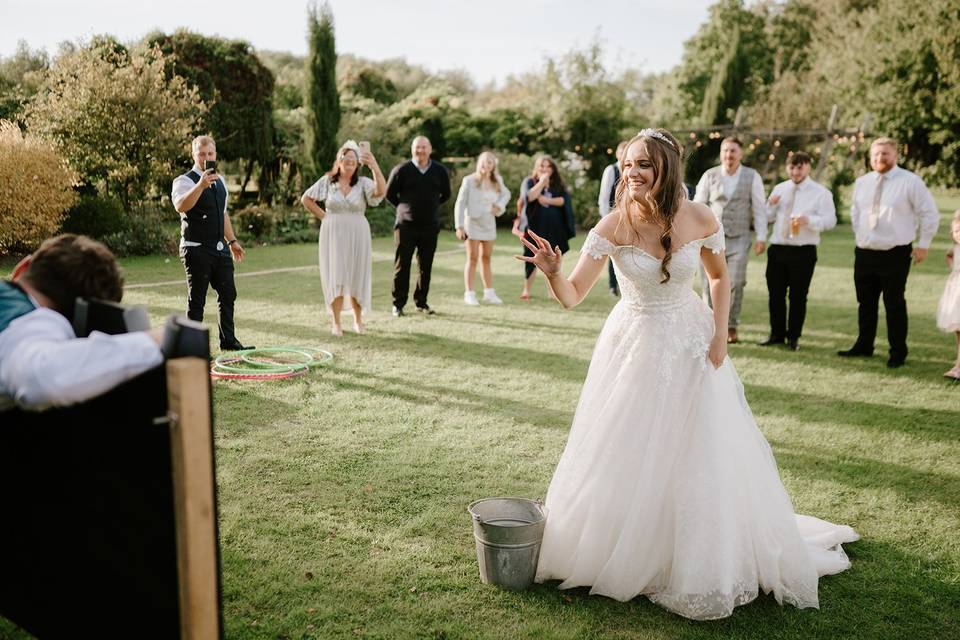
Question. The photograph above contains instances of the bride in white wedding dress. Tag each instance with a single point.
(666, 487)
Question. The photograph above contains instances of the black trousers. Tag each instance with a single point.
(205, 267)
(789, 269)
(423, 240)
(877, 273)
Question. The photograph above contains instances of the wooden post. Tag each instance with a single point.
(191, 439)
(827, 147)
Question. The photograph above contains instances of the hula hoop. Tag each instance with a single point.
(261, 364)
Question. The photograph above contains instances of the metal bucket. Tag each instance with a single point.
(508, 532)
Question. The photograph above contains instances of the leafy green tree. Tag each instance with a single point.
(20, 77)
(236, 86)
(116, 116)
(322, 98)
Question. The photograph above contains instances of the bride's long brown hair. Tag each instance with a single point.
(663, 198)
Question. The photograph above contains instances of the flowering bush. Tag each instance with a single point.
(36, 188)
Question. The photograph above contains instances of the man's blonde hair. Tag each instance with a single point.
(889, 142)
(201, 141)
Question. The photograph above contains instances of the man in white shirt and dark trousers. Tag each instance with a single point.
(889, 204)
(799, 209)
(607, 202)
(207, 239)
(735, 194)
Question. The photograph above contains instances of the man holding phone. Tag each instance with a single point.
(208, 245)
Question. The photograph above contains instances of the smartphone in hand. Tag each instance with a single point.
(210, 164)
(364, 145)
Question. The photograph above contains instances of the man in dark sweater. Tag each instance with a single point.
(416, 188)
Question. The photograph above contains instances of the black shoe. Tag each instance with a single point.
(771, 342)
(397, 312)
(426, 310)
(793, 345)
(855, 352)
(236, 346)
(896, 363)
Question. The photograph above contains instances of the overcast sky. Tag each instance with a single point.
(490, 39)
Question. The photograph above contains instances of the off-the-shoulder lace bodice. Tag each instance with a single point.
(639, 275)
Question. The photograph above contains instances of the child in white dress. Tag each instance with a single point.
(948, 313)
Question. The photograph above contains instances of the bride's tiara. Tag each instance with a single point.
(653, 133)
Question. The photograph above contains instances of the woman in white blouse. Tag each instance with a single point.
(482, 198)
(346, 254)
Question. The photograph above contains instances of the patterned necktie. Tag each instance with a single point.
(787, 225)
(875, 209)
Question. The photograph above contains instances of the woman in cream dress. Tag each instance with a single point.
(482, 198)
(346, 254)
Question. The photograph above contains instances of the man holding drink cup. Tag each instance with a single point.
(799, 209)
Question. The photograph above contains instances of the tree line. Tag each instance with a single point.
(121, 114)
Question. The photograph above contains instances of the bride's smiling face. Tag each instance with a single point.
(638, 168)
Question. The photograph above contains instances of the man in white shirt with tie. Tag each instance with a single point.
(889, 205)
(799, 209)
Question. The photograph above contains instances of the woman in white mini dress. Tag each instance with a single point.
(482, 198)
(346, 253)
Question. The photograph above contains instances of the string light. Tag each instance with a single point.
(776, 143)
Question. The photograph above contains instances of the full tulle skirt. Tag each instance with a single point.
(667, 488)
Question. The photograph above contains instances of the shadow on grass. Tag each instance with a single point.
(422, 394)
(868, 474)
(888, 593)
(925, 424)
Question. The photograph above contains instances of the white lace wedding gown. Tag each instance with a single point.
(666, 487)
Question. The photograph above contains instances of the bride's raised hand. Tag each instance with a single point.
(544, 258)
(717, 351)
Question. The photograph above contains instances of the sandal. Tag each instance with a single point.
(524, 296)
(953, 374)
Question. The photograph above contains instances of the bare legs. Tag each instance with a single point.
(527, 283)
(336, 307)
(478, 251)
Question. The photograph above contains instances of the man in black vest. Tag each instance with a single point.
(207, 239)
(416, 188)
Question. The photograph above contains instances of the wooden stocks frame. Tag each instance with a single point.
(194, 486)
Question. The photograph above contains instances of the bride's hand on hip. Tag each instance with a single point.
(717, 351)
(544, 258)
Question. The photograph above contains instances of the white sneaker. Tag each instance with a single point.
(470, 297)
(489, 295)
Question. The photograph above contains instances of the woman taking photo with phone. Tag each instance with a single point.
(346, 254)
(482, 198)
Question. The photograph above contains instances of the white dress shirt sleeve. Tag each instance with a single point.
(43, 364)
(855, 207)
(773, 210)
(926, 211)
(702, 193)
(824, 215)
(606, 184)
(182, 185)
(758, 202)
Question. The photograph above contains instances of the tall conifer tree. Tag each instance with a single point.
(322, 101)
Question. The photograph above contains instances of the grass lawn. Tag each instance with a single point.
(343, 494)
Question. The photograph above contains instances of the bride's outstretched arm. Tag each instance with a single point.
(715, 266)
(568, 291)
